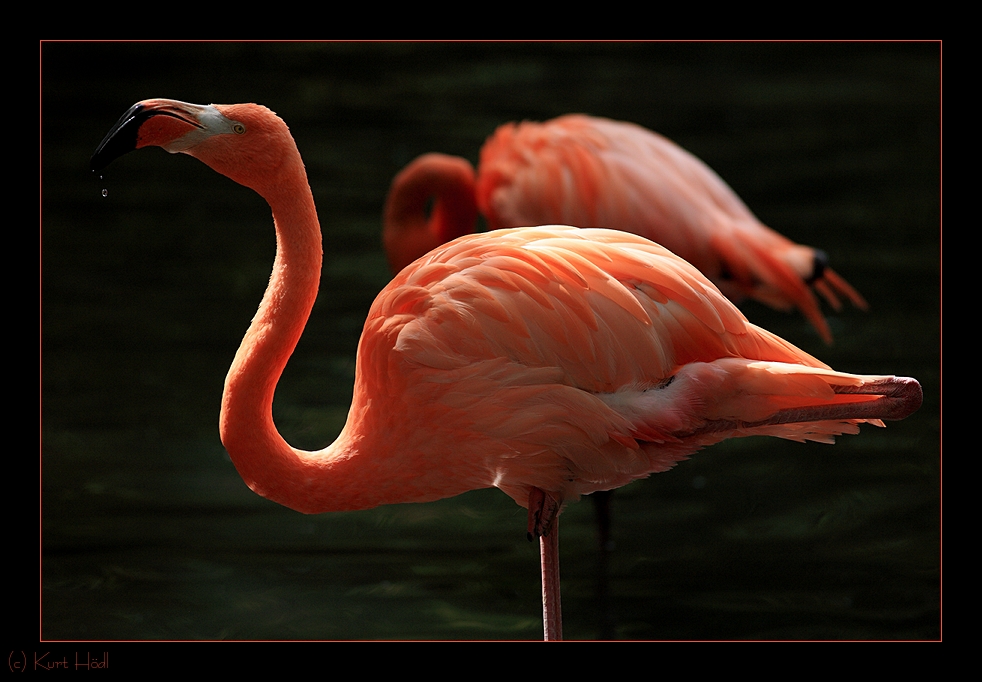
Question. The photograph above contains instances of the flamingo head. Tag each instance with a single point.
(244, 142)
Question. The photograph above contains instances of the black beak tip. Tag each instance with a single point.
(96, 165)
(120, 139)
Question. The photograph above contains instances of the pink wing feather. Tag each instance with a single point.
(593, 172)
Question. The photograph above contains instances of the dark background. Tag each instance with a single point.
(148, 533)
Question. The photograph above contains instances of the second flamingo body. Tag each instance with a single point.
(595, 172)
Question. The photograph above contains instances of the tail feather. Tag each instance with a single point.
(777, 272)
(831, 284)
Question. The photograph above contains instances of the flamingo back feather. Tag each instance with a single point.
(593, 172)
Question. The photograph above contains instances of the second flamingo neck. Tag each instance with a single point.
(431, 203)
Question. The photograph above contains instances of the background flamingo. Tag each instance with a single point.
(595, 172)
(146, 520)
(548, 362)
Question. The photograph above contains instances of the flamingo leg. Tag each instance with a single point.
(552, 608)
(544, 524)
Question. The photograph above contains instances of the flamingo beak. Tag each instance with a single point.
(181, 127)
(121, 138)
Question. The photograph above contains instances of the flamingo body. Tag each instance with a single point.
(549, 362)
(594, 172)
(583, 359)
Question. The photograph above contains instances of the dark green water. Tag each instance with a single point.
(149, 533)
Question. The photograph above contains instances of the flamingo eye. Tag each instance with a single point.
(238, 128)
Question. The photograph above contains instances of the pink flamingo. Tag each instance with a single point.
(548, 362)
(594, 172)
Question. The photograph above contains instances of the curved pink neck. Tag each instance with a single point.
(448, 182)
(267, 463)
